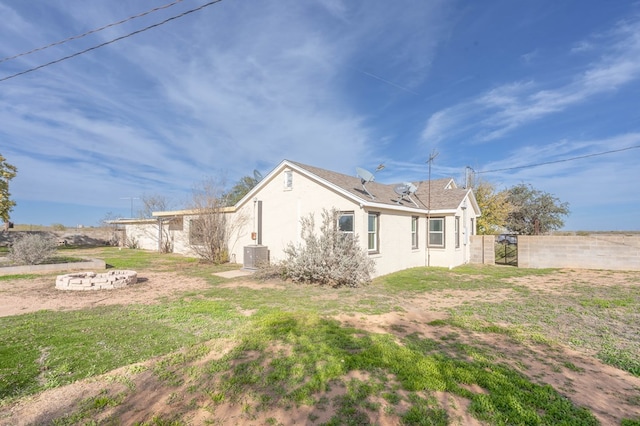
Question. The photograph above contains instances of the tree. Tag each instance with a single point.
(117, 234)
(7, 172)
(242, 187)
(495, 208)
(533, 211)
(153, 203)
(211, 227)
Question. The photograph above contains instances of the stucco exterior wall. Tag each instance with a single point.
(283, 208)
(394, 242)
(145, 235)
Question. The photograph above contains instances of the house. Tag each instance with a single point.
(400, 226)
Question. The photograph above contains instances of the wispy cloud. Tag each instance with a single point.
(530, 56)
(582, 46)
(497, 112)
(218, 93)
(586, 183)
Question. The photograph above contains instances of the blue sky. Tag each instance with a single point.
(242, 85)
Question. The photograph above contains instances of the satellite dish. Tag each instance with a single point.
(365, 177)
(405, 190)
(401, 189)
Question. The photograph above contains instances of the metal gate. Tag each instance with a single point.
(507, 250)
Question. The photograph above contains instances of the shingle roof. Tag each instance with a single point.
(442, 194)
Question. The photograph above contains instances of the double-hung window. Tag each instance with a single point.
(457, 232)
(414, 232)
(436, 232)
(373, 228)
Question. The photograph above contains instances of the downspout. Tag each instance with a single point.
(465, 235)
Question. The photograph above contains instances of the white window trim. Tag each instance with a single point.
(353, 221)
(375, 232)
(415, 242)
(429, 232)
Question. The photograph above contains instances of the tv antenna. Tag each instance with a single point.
(366, 177)
(432, 157)
(405, 190)
(130, 198)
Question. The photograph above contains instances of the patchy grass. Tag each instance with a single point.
(468, 277)
(287, 360)
(47, 349)
(62, 259)
(18, 277)
(287, 353)
(600, 321)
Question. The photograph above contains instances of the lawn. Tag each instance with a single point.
(472, 345)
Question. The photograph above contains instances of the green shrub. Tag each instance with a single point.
(32, 249)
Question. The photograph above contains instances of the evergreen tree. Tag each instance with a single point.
(7, 172)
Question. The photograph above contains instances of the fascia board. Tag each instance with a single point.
(191, 212)
(131, 221)
(378, 206)
(265, 180)
(474, 203)
(286, 164)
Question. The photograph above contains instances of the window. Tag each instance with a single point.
(436, 232)
(176, 224)
(288, 179)
(414, 232)
(345, 222)
(457, 232)
(372, 232)
(196, 232)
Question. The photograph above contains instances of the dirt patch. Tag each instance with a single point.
(24, 296)
(609, 393)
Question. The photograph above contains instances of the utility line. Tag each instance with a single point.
(558, 161)
(111, 41)
(76, 37)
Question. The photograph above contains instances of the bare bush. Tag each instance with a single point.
(32, 249)
(329, 258)
(132, 243)
(211, 228)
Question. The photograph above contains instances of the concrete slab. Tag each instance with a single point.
(234, 274)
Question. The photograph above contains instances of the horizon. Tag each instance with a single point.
(106, 103)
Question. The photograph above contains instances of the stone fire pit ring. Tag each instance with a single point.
(92, 281)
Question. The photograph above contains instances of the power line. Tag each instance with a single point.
(79, 36)
(111, 41)
(558, 161)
